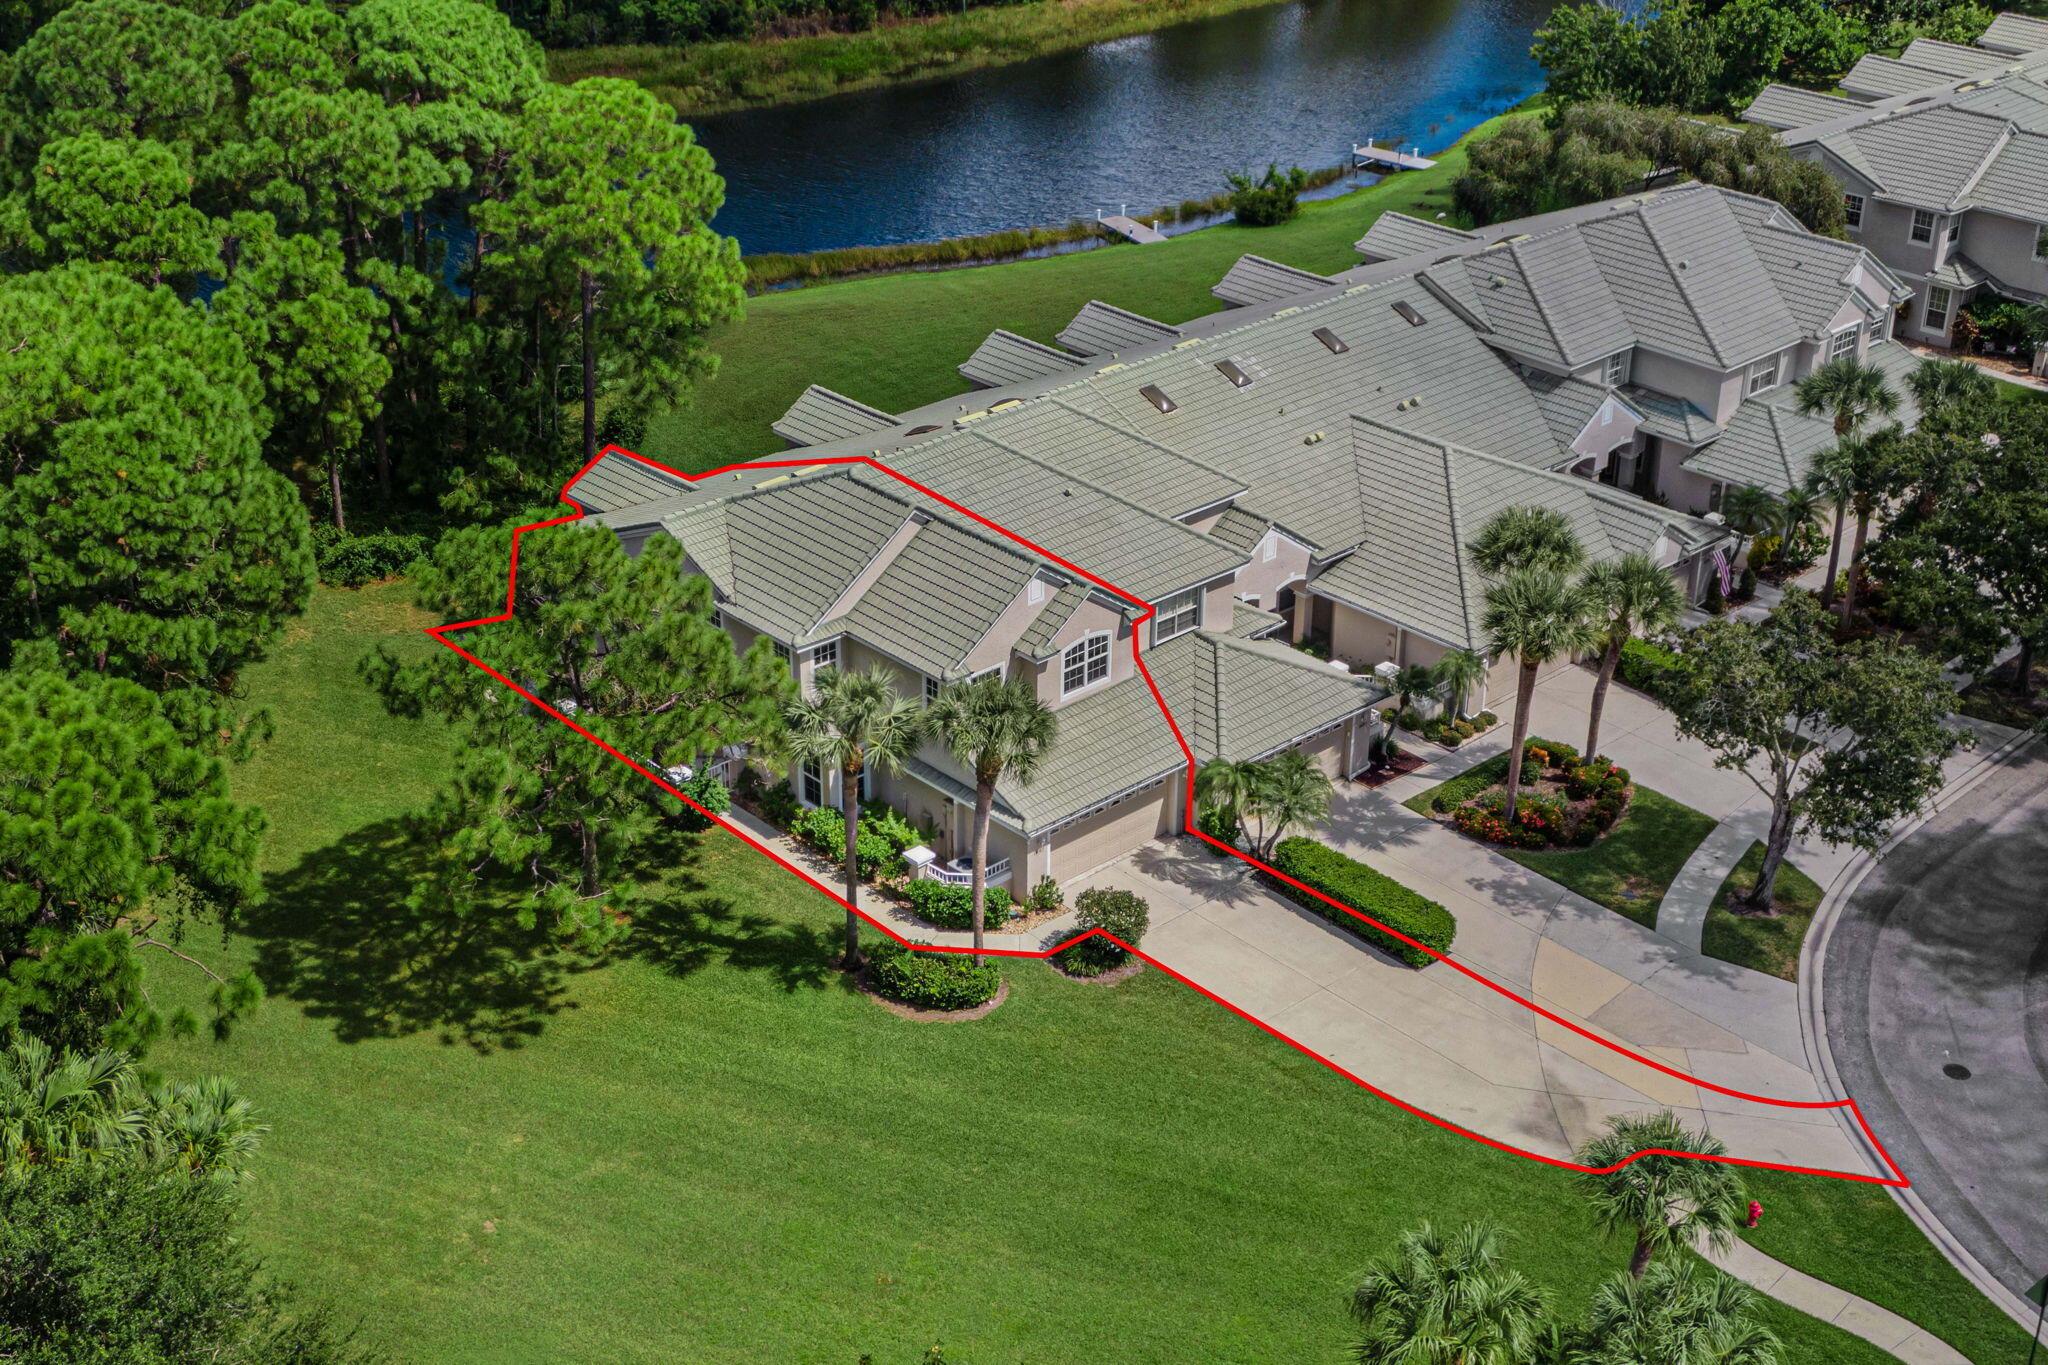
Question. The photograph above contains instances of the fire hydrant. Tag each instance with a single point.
(1756, 1214)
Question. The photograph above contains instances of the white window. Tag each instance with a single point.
(1270, 549)
(825, 656)
(931, 690)
(1880, 328)
(1843, 343)
(1177, 615)
(1955, 228)
(1852, 210)
(996, 673)
(812, 778)
(1763, 375)
(1923, 225)
(1939, 302)
(1615, 369)
(1085, 663)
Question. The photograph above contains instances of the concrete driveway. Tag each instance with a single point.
(1935, 995)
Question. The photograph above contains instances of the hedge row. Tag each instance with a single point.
(1370, 893)
(1646, 667)
(951, 906)
(932, 981)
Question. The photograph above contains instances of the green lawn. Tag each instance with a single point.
(712, 1151)
(893, 341)
(1764, 945)
(1628, 871)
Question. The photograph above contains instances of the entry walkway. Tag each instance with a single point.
(1880, 1327)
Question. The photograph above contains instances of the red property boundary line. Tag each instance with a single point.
(442, 632)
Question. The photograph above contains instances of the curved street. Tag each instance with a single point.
(1936, 1002)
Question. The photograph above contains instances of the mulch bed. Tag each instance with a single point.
(1992, 698)
(1112, 977)
(1402, 765)
(901, 1010)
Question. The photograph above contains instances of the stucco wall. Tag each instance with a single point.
(1713, 392)
(2005, 247)
(1263, 578)
(1093, 617)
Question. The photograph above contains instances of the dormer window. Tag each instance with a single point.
(1923, 226)
(1852, 210)
(1762, 375)
(1842, 345)
(1614, 371)
(1177, 615)
(1084, 664)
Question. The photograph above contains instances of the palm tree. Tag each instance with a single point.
(1527, 538)
(1679, 1313)
(854, 722)
(1750, 509)
(1800, 507)
(1630, 596)
(1410, 681)
(201, 1128)
(1851, 394)
(1665, 1202)
(1224, 784)
(64, 1107)
(1535, 615)
(1874, 460)
(1833, 479)
(1459, 673)
(995, 729)
(1445, 1299)
(1291, 791)
(1939, 385)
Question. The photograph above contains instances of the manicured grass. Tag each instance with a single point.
(712, 1150)
(1628, 871)
(893, 341)
(1834, 1230)
(1763, 945)
(711, 78)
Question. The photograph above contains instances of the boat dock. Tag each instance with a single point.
(1131, 228)
(1369, 157)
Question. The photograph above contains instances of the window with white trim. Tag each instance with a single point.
(825, 656)
(1084, 664)
(1923, 226)
(812, 776)
(1955, 227)
(1614, 370)
(1842, 344)
(1881, 327)
(1852, 210)
(1177, 615)
(782, 651)
(1939, 302)
(996, 673)
(1762, 375)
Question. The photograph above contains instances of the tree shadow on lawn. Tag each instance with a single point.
(334, 934)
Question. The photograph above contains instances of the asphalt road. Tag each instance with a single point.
(1936, 1000)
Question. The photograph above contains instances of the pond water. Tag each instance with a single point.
(1141, 121)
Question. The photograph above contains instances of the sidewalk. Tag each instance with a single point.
(1880, 1327)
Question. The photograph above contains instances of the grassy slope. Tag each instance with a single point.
(711, 78)
(1764, 945)
(893, 341)
(712, 1152)
(1642, 854)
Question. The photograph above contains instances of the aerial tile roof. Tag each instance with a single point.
(1674, 419)
(619, 480)
(1876, 77)
(1568, 404)
(1006, 358)
(1394, 235)
(796, 547)
(1951, 59)
(1103, 328)
(820, 415)
(1788, 106)
(936, 599)
(2015, 33)
(1058, 433)
(1239, 529)
(1547, 298)
(1254, 279)
(1036, 641)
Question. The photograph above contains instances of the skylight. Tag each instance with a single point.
(1408, 314)
(1234, 373)
(1156, 396)
(1331, 340)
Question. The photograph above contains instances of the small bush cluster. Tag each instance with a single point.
(1448, 732)
(1647, 668)
(1547, 753)
(1369, 892)
(1123, 913)
(707, 791)
(1268, 200)
(932, 981)
(884, 833)
(347, 561)
(1045, 897)
(1221, 823)
(779, 805)
(952, 907)
(1545, 821)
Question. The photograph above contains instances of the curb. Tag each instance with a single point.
(1813, 1028)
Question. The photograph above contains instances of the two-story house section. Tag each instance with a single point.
(1302, 469)
(1945, 177)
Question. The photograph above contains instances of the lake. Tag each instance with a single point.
(1142, 121)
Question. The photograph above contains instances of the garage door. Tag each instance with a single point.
(1328, 750)
(1505, 676)
(1109, 834)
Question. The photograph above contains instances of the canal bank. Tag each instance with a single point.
(1142, 121)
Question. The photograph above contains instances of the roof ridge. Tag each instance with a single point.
(2006, 135)
(1140, 436)
(1684, 292)
(1536, 297)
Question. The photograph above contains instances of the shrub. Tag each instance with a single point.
(952, 907)
(1647, 667)
(1598, 777)
(779, 805)
(1411, 720)
(1221, 823)
(887, 823)
(1716, 602)
(1271, 199)
(707, 791)
(1550, 753)
(347, 561)
(1745, 586)
(1369, 892)
(1045, 897)
(824, 829)
(1466, 729)
(1123, 913)
(1486, 720)
(932, 981)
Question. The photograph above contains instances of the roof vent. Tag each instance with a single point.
(1685, 265)
(1234, 372)
(1408, 314)
(1499, 281)
(1156, 396)
(1331, 340)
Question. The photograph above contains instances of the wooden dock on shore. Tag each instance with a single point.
(1369, 157)
(1131, 228)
